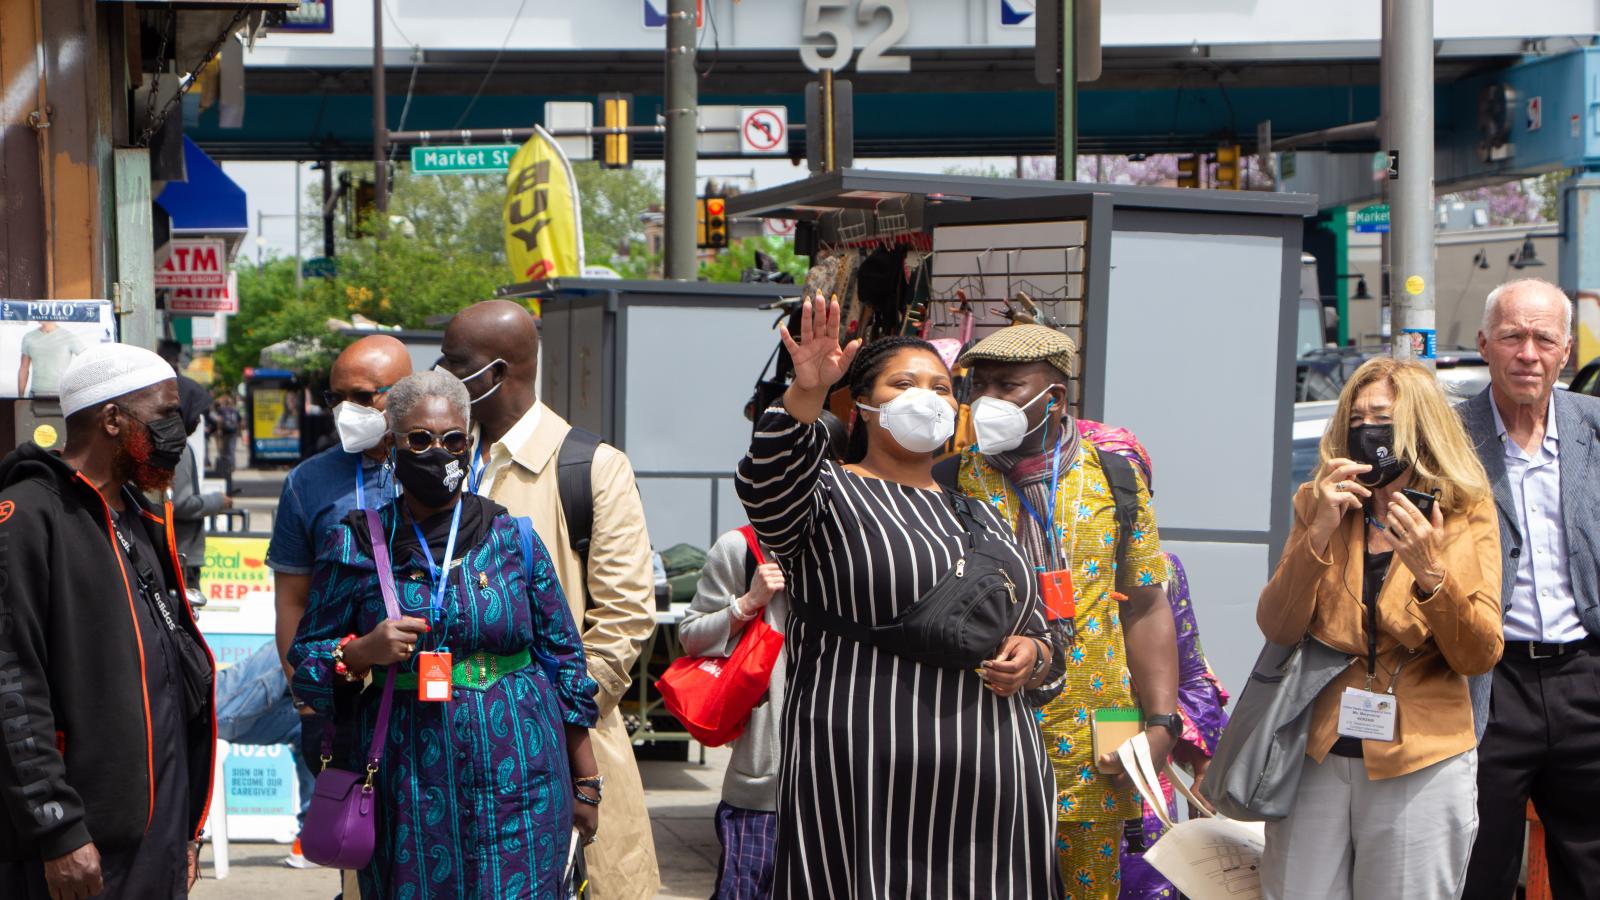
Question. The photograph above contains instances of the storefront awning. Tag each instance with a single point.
(209, 202)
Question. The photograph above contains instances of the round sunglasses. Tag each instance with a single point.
(421, 440)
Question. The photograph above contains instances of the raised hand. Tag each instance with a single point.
(819, 361)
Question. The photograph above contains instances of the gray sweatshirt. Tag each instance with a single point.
(709, 629)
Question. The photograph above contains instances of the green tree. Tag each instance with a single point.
(613, 200)
(731, 262)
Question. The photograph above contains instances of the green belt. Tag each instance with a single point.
(478, 672)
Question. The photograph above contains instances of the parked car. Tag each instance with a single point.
(1587, 381)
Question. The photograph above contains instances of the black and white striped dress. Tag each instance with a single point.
(898, 779)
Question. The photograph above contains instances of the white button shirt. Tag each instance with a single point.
(1542, 606)
(484, 473)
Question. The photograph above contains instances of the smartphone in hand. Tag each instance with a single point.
(1423, 502)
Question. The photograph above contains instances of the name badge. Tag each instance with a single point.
(1363, 714)
(433, 677)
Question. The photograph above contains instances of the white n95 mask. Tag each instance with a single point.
(360, 427)
(919, 420)
(1001, 425)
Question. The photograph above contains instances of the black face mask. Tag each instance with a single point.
(432, 476)
(1374, 446)
(167, 440)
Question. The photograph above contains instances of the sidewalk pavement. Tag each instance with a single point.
(681, 796)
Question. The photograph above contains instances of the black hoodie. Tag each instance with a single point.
(75, 754)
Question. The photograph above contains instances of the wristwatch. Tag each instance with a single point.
(1170, 721)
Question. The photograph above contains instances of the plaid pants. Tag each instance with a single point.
(748, 841)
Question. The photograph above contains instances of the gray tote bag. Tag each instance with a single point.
(1255, 771)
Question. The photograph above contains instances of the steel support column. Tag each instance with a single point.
(682, 95)
(1408, 86)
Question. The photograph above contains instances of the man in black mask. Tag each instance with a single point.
(107, 721)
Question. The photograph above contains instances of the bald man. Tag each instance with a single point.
(322, 490)
(493, 347)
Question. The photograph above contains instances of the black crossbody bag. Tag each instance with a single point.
(963, 619)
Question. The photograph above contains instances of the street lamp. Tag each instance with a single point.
(1527, 257)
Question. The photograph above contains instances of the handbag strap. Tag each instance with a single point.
(751, 542)
(380, 555)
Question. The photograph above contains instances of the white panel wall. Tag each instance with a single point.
(1191, 368)
(1225, 581)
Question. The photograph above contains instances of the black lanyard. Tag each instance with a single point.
(146, 576)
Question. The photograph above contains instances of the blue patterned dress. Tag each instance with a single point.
(475, 794)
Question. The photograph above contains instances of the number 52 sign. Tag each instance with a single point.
(828, 34)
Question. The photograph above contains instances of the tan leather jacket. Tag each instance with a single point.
(1435, 644)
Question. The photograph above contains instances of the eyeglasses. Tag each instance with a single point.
(330, 399)
(421, 440)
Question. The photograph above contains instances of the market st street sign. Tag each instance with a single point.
(465, 159)
(1373, 219)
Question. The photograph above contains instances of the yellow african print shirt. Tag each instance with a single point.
(1097, 661)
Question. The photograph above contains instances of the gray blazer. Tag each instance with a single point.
(1578, 420)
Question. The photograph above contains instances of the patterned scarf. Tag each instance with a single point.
(1028, 472)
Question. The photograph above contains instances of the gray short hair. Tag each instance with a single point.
(410, 390)
(1524, 284)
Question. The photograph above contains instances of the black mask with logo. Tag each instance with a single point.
(1374, 446)
(432, 476)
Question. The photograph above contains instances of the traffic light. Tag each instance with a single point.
(712, 223)
(1189, 171)
(1227, 167)
(618, 150)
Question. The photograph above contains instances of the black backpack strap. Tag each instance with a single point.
(575, 486)
(947, 473)
(1124, 492)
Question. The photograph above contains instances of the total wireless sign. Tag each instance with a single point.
(195, 274)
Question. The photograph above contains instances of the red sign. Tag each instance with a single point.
(194, 264)
(206, 300)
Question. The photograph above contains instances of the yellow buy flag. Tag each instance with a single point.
(543, 218)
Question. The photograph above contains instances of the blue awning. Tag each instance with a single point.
(209, 202)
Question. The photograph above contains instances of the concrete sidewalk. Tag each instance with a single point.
(682, 798)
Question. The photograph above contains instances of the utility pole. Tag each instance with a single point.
(1408, 89)
(1067, 92)
(682, 114)
(380, 119)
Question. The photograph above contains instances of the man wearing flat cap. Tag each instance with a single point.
(1083, 518)
(107, 720)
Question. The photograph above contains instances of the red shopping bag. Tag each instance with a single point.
(713, 697)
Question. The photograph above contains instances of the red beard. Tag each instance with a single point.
(132, 464)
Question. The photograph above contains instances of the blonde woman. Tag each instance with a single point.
(1387, 802)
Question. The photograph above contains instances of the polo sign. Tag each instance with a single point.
(194, 263)
(462, 160)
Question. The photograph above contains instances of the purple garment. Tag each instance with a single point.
(1200, 701)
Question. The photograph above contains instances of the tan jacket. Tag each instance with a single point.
(622, 863)
(1436, 644)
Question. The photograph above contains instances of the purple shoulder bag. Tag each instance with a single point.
(341, 825)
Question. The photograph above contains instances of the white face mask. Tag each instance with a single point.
(1001, 425)
(360, 427)
(474, 401)
(919, 420)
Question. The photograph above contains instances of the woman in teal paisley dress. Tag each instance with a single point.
(478, 794)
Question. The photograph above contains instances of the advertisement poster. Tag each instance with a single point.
(238, 588)
(38, 338)
(237, 621)
(275, 423)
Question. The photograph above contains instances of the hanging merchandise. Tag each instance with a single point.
(883, 291)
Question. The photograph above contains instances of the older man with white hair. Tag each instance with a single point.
(1541, 733)
(107, 724)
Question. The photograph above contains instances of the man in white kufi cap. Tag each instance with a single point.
(107, 721)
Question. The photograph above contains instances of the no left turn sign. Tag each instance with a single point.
(764, 131)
